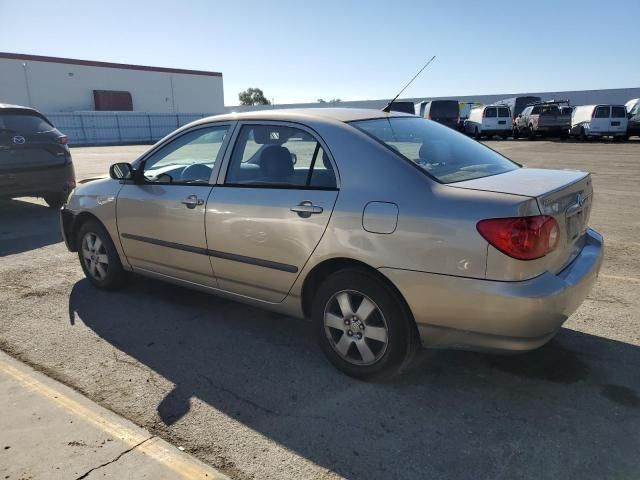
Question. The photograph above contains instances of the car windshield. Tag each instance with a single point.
(445, 154)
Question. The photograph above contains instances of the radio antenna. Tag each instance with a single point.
(387, 109)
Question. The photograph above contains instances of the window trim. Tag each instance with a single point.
(233, 142)
(140, 163)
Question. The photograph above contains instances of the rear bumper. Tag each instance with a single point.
(37, 181)
(555, 130)
(498, 316)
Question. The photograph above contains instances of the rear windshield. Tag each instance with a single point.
(618, 112)
(443, 153)
(503, 112)
(602, 111)
(550, 110)
(491, 112)
(23, 123)
(444, 109)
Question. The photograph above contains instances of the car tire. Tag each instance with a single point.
(55, 200)
(476, 134)
(363, 326)
(98, 256)
(531, 134)
(516, 133)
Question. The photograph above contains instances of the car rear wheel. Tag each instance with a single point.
(516, 133)
(363, 327)
(98, 256)
(531, 134)
(476, 134)
(55, 200)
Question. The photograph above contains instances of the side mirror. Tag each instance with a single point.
(121, 171)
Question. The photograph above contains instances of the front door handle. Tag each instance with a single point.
(192, 201)
(306, 209)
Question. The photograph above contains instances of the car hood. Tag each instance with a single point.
(529, 182)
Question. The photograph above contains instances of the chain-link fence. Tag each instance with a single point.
(119, 128)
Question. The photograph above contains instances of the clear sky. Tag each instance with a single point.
(299, 51)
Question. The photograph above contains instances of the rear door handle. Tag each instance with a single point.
(306, 209)
(192, 201)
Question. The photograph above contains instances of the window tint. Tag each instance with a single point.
(602, 111)
(24, 123)
(504, 112)
(279, 156)
(188, 159)
(440, 151)
(618, 112)
(491, 112)
(444, 109)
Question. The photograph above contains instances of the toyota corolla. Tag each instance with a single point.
(388, 231)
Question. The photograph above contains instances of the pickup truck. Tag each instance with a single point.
(543, 119)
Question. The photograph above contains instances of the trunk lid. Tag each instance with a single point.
(563, 194)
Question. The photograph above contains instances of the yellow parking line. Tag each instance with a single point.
(620, 277)
(155, 448)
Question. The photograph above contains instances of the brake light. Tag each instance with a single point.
(524, 238)
(63, 140)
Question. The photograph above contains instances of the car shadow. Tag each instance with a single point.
(27, 226)
(570, 409)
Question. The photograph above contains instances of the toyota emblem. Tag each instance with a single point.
(19, 139)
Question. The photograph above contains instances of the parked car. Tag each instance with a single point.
(472, 251)
(442, 111)
(489, 121)
(464, 109)
(633, 114)
(34, 157)
(517, 105)
(543, 119)
(596, 121)
(404, 107)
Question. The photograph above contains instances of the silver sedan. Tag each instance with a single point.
(389, 231)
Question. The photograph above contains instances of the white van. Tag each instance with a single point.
(599, 121)
(489, 120)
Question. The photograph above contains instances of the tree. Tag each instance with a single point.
(253, 96)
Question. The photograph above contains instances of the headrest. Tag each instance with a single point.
(276, 163)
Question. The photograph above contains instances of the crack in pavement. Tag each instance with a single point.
(122, 454)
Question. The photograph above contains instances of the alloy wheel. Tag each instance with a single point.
(355, 327)
(95, 256)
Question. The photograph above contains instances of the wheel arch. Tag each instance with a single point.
(80, 219)
(321, 272)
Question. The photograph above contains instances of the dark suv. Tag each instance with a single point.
(34, 157)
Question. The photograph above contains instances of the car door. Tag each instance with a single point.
(270, 208)
(161, 215)
(490, 120)
(601, 119)
(618, 123)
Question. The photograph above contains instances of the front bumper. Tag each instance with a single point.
(67, 219)
(490, 315)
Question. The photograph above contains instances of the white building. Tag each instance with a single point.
(51, 84)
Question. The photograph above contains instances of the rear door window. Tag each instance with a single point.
(503, 112)
(24, 123)
(618, 112)
(491, 112)
(277, 156)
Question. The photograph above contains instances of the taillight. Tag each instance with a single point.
(524, 238)
(63, 140)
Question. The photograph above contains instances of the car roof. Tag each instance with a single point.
(302, 114)
(8, 106)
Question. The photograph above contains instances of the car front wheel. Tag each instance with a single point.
(364, 328)
(98, 256)
(55, 200)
